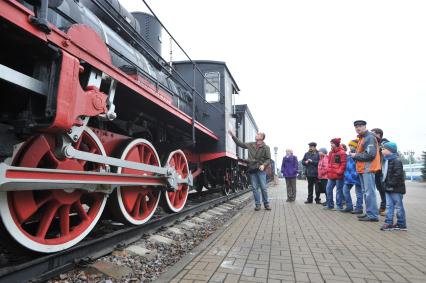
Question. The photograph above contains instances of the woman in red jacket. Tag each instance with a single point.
(336, 171)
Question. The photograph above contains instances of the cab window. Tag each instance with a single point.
(212, 87)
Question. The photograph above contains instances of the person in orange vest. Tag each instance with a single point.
(367, 160)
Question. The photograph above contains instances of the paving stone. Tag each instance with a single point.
(305, 243)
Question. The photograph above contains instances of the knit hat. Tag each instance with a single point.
(353, 143)
(391, 146)
(336, 141)
(323, 150)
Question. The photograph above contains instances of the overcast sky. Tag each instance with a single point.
(308, 69)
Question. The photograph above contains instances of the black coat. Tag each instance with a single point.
(395, 177)
(311, 167)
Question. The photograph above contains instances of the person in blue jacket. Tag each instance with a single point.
(352, 179)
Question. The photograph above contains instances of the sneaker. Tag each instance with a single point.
(329, 208)
(387, 227)
(357, 212)
(346, 210)
(318, 202)
(382, 213)
(267, 207)
(324, 204)
(257, 208)
(337, 209)
(362, 216)
(306, 202)
(400, 227)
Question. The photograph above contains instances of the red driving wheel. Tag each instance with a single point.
(175, 201)
(52, 220)
(136, 205)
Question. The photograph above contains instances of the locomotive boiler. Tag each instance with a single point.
(92, 117)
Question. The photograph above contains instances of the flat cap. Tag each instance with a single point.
(312, 144)
(360, 123)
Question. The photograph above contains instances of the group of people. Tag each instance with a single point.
(369, 162)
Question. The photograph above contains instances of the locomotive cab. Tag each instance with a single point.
(215, 108)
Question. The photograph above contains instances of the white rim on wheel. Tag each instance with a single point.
(135, 214)
(175, 201)
(30, 241)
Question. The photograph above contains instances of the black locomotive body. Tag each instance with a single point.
(90, 111)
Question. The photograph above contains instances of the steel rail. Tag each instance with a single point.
(49, 266)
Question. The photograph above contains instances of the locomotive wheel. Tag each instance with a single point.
(52, 220)
(136, 205)
(175, 201)
(227, 189)
(227, 184)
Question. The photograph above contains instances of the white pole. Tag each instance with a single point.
(411, 166)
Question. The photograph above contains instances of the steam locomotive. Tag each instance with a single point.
(92, 117)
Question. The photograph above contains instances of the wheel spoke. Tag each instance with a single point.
(141, 153)
(172, 197)
(144, 205)
(177, 197)
(78, 143)
(148, 158)
(47, 219)
(136, 209)
(64, 215)
(81, 211)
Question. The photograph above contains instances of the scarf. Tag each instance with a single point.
(391, 156)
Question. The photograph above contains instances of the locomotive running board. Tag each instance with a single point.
(27, 179)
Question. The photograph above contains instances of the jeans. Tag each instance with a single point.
(394, 201)
(381, 189)
(258, 181)
(313, 181)
(369, 190)
(347, 194)
(339, 193)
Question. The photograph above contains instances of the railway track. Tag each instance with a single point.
(44, 267)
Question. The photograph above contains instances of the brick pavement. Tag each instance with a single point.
(296, 242)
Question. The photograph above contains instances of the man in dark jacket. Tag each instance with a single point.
(310, 162)
(378, 133)
(394, 186)
(259, 158)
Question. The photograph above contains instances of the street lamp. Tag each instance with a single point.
(410, 154)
